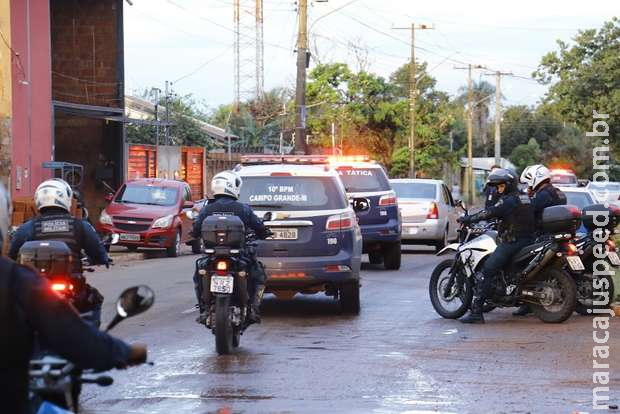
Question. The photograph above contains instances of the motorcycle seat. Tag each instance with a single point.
(526, 252)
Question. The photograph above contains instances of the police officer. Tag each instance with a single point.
(515, 231)
(543, 195)
(29, 308)
(491, 196)
(53, 201)
(226, 187)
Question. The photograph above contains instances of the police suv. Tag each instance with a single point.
(381, 222)
(317, 243)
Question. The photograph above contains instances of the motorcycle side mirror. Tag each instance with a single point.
(132, 302)
(360, 204)
(268, 216)
(114, 238)
(461, 204)
(109, 197)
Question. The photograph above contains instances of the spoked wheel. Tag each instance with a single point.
(587, 294)
(458, 299)
(558, 296)
(223, 326)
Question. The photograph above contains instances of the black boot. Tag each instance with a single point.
(475, 313)
(522, 311)
(254, 311)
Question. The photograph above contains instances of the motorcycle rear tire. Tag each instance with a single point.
(582, 308)
(223, 326)
(569, 290)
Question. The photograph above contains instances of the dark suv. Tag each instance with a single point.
(381, 223)
(317, 244)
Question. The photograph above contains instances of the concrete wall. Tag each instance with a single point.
(31, 122)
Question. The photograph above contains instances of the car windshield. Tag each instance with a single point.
(147, 194)
(563, 179)
(358, 180)
(415, 190)
(578, 199)
(614, 187)
(292, 193)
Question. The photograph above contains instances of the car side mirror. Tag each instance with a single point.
(132, 302)
(268, 216)
(360, 204)
(109, 197)
(188, 204)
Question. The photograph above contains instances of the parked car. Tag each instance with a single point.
(317, 243)
(428, 211)
(564, 178)
(598, 191)
(380, 224)
(150, 212)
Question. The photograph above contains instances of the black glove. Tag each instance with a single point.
(268, 232)
(464, 220)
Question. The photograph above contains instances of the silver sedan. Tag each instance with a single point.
(428, 211)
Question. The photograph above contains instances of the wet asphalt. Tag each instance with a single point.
(397, 356)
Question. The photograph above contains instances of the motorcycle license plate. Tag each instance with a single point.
(613, 258)
(222, 284)
(284, 234)
(575, 263)
(129, 237)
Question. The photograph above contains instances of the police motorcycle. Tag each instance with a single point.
(56, 384)
(535, 276)
(55, 261)
(225, 270)
(595, 286)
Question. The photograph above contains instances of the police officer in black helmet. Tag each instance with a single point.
(226, 188)
(515, 231)
(30, 309)
(53, 200)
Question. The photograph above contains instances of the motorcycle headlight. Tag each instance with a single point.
(105, 218)
(163, 222)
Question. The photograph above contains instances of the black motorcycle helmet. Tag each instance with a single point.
(503, 176)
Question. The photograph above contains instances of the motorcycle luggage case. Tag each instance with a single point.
(226, 231)
(48, 257)
(596, 215)
(561, 219)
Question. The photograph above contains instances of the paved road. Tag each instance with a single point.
(396, 356)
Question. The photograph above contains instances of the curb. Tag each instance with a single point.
(119, 257)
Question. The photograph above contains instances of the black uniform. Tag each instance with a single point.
(226, 205)
(546, 195)
(29, 307)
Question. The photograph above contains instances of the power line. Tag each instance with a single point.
(202, 65)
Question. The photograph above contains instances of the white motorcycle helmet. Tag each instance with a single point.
(6, 209)
(539, 174)
(53, 193)
(226, 183)
(526, 176)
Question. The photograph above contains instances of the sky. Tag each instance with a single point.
(190, 42)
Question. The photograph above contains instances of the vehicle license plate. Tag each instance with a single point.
(284, 234)
(613, 258)
(222, 284)
(575, 263)
(129, 237)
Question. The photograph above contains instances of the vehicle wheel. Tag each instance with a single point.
(391, 256)
(350, 298)
(440, 244)
(458, 301)
(132, 248)
(223, 327)
(560, 296)
(197, 245)
(585, 297)
(175, 249)
(375, 258)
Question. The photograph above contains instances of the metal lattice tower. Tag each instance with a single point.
(249, 48)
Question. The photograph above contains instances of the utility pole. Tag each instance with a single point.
(413, 91)
(470, 131)
(167, 100)
(157, 91)
(300, 93)
(498, 114)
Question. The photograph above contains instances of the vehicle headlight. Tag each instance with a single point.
(163, 222)
(105, 218)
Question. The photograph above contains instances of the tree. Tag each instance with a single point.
(483, 94)
(526, 154)
(585, 77)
